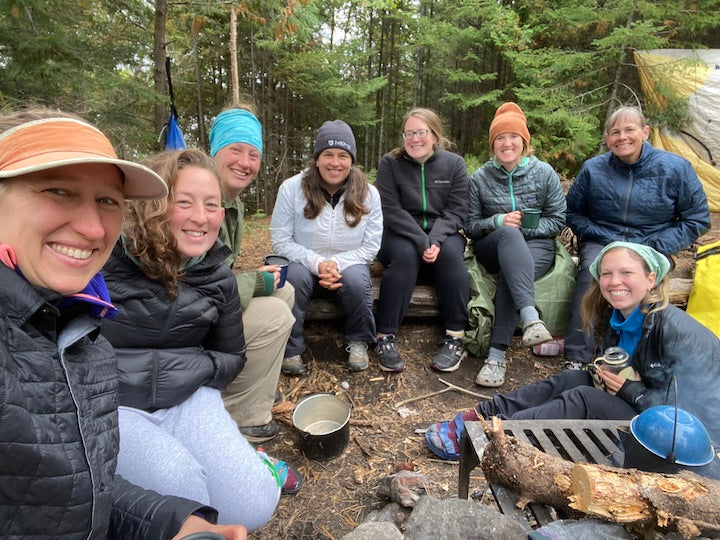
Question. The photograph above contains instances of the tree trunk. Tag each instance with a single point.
(159, 73)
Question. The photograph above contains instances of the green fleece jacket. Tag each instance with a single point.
(251, 283)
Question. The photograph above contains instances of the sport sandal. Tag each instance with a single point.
(535, 333)
(492, 374)
(443, 438)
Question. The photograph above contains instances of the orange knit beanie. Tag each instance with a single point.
(509, 118)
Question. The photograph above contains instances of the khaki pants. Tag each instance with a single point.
(266, 323)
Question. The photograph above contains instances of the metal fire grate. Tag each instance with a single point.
(580, 441)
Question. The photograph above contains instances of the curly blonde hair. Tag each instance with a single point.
(146, 229)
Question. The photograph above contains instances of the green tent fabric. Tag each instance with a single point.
(553, 296)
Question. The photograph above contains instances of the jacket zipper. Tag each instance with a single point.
(424, 195)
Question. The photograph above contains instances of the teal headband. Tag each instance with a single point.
(657, 262)
(235, 126)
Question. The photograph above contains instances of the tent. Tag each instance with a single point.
(694, 74)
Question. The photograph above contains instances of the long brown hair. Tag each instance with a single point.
(433, 121)
(594, 304)
(356, 191)
(146, 229)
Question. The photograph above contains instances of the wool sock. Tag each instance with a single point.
(527, 314)
(455, 333)
(496, 354)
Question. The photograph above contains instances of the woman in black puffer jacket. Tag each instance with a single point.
(179, 340)
(61, 194)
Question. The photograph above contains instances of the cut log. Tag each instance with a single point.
(532, 475)
(686, 502)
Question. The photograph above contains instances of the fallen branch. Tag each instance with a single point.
(464, 391)
(424, 396)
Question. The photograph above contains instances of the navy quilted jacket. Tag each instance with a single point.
(167, 349)
(58, 428)
(657, 201)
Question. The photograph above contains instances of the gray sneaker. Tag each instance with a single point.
(358, 356)
(293, 365)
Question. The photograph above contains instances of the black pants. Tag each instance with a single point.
(403, 264)
(569, 394)
(580, 345)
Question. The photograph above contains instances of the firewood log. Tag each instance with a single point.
(685, 501)
(532, 475)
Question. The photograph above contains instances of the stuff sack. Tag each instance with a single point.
(553, 296)
(704, 301)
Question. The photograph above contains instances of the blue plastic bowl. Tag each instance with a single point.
(653, 428)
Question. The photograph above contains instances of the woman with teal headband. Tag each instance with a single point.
(236, 145)
(630, 297)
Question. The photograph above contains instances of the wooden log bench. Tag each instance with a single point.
(424, 300)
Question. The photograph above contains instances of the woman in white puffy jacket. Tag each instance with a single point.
(328, 222)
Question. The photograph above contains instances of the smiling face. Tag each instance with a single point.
(238, 165)
(625, 139)
(417, 147)
(62, 223)
(334, 166)
(508, 149)
(195, 211)
(624, 280)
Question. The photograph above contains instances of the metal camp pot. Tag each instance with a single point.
(323, 425)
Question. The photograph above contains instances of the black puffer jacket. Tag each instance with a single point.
(167, 349)
(58, 428)
(424, 202)
(673, 343)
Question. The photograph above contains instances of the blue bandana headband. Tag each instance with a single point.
(235, 126)
(657, 262)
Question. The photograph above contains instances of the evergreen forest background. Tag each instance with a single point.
(301, 62)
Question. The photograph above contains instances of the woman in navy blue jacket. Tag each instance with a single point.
(633, 193)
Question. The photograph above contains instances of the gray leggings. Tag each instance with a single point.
(194, 450)
(518, 263)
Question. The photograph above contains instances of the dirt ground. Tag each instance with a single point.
(384, 435)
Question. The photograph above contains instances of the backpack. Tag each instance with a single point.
(704, 301)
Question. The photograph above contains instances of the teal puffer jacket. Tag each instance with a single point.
(531, 184)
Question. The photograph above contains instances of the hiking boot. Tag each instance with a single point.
(388, 356)
(358, 355)
(450, 355)
(293, 365)
(258, 434)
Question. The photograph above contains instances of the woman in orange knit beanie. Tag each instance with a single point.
(517, 207)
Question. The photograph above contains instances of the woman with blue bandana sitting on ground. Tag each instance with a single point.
(630, 296)
(179, 341)
(328, 222)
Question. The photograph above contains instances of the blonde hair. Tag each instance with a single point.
(634, 114)
(594, 304)
(146, 228)
(433, 122)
